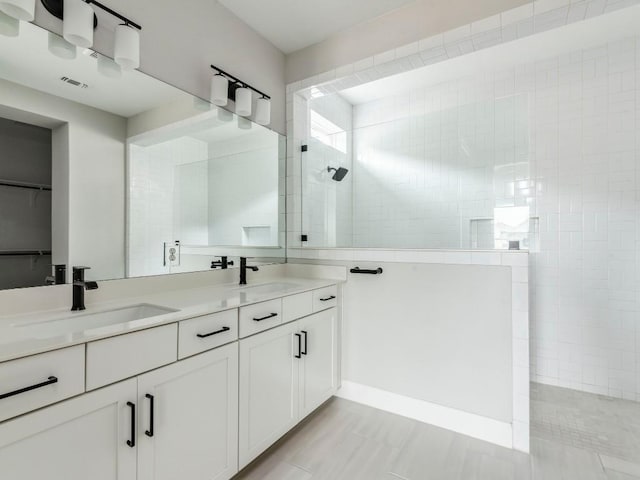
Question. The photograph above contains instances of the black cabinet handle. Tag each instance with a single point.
(327, 298)
(377, 271)
(299, 355)
(205, 335)
(50, 381)
(132, 441)
(305, 343)
(265, 318)
(152, 404)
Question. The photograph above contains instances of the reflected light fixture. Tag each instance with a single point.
(224, 115)
(108, 67)
(219, 90)
(61, 48)
(9, 26)
(77, 26)
(126, 52)
(19, 9)
(225, 86)
(244, 123)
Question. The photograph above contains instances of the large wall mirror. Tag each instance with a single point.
(123, 173)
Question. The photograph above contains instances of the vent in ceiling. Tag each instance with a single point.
(73, 82)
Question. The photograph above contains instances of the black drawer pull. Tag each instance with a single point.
(299, 354)
(50, 381)
(327, 298)
(305, 343)
(132, 441)
(265, 318)
(152, 407)
(377, 271)
(222, 330)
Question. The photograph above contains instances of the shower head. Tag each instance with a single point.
(340, 173)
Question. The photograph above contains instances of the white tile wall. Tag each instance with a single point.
(581, 159)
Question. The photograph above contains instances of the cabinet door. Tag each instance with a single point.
(79, 439)
(268, 389)
(319, 373)
(193, 433)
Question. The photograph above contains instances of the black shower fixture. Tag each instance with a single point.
(340, 173)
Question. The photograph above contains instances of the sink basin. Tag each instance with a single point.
(81, 321)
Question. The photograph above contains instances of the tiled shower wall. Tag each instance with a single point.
(561, 136)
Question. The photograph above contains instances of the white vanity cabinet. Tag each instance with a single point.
(285, 373)
(187, 427)
(79, 439)
(318, 366)
(268, 389)
(195, 399)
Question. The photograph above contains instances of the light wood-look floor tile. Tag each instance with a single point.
(348, 441)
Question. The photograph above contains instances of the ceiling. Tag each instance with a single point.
(575, 37)
(26, 60)
(295, 24)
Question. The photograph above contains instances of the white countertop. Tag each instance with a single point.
(21, 336)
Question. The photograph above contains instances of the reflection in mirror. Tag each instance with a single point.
(68, 120)
(200, 188)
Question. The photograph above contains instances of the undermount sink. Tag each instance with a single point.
(86, 320)
(267, 288)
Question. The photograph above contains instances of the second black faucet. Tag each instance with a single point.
(243, 270)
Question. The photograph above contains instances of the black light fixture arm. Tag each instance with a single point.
(56, 8)
(114, 13)
(238, 81)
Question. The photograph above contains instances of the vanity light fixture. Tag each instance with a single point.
(9, 26)
(77, 26)
(219, 90)
(225, 86)
(19, 9)
(263, 111)
(127, 47)
(243, 101)
(79, 21)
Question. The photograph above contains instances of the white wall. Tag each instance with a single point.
(437, 333)
(180, 41)
(412, 23)
(90, 208)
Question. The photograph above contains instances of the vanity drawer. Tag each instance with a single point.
(297, 306)
(324, 298)
(33, 382)
(116, 358)
(260, 316)
(209, 331)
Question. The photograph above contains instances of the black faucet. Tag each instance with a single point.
(223, 263)
(79, 286)
(243, 270)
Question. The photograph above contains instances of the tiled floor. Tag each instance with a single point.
(593, 422)
(348, 441)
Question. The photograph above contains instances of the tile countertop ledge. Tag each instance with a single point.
(188, 303)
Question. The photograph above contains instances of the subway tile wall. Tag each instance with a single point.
(561, 136)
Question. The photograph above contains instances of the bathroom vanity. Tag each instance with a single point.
(192, 383)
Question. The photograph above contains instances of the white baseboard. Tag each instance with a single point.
(470, 424)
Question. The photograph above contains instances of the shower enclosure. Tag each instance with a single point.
(438, 167)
